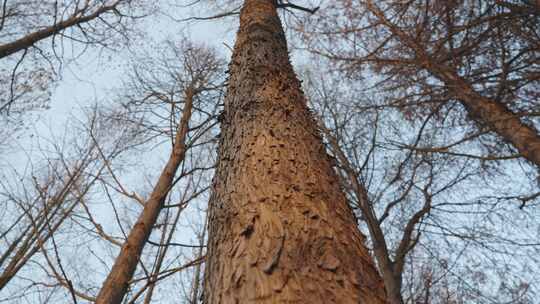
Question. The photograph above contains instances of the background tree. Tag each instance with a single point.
(414, 204)
(39, 38)
(52, 191)
(200, 73)
(432, 67)
(478, 58)
(150, 103)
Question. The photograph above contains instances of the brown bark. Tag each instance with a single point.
(280, 228)
(115, 286)
(32, 38)
(496, 116)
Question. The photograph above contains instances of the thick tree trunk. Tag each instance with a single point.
(115, 286)
(280, 228)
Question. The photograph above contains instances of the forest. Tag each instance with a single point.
(270, 151)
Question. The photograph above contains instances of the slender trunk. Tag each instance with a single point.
(152, 280)
(280, 228)
(497, 117)
(32, 38)
(159, 263)
(115, 286)
(392, 284)
(391, 274)
(485, 111)
(196, 284)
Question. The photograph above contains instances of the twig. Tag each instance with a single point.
(298, 7)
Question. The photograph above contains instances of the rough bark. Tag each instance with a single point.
(280, 228)
(115, 286)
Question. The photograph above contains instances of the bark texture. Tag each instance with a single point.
(115, 286)
(280, 228)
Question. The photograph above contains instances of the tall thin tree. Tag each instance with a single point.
(197, 76)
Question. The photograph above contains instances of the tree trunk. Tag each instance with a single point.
(391, 271)
(483, 110)
(280, 228)
(115, 286)
(496, 116)
(196, 283)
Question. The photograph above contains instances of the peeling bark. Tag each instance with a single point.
(280, 229)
